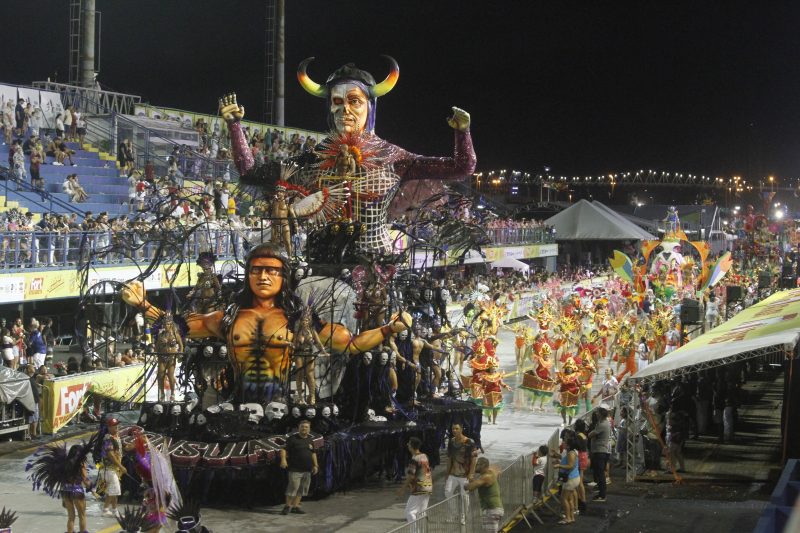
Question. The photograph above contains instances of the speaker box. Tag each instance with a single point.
(690, 311)
(734, 293)
(764, 280)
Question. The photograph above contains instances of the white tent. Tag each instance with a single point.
(585, 220)
(770, 326)
(510, 262)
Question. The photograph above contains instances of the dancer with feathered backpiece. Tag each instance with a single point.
(61, 472)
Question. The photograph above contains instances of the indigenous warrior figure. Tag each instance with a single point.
(540, 380)
(491, 398)
(205, 295)
(307, 347)
(168, 346)
(351, 96)
(569, 389)
(257, 327)
(281, 214)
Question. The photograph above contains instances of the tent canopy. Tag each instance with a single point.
(769, 326)
(510, 262)
(586, 220)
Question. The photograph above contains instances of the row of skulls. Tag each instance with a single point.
(256, 412)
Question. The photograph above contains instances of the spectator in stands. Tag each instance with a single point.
(125, 157)
(133, 181)
(7, 345)
(80, 127)
(36, 389)
(36, 345)
(49, 338)
(68, 120)
(18, 158)
(36, 161)
(18, 334)
(60, 126)
(62, 152)
(27, 120)
(73, 366)
(37, 121)
(19, 117)
(8, 122)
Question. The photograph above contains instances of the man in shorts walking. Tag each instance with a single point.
(299, 457)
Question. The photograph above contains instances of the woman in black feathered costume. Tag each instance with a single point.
(62, 473)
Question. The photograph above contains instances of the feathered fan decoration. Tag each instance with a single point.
(365, 149)
(317, 207)
(54, 467)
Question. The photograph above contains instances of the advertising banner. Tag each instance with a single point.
(64, 397)
(31, 96)
(7, 94)
(51, 106)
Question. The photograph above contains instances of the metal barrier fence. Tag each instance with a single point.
(51, 249)
(543, 234)
(458, 514)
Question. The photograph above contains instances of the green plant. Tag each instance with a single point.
(7, 517)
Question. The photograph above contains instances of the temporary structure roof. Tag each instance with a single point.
(585, 220)
(772, 325)
(510, 262)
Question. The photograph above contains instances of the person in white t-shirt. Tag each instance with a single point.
(539, 462)
(712, 312)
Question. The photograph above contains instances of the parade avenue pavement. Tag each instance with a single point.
(710, 500)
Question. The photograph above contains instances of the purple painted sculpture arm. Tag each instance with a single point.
(417, 167)
(242, 156)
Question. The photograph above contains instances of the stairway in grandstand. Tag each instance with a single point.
(97, 173)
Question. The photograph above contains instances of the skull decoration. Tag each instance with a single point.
(214, 409)
(367, 358)
(379, 419)
(384, 358)
(445, 293)
(296, 412)
(371, 414)
(335, 410)
(208, 351)
(311, 412)
(223, 351)
(176, 410)
(403, 335)
(201, 419)
(255, 410)
(158, 409)
(275, 411)
(326, 412)
(393, 359)
(226, 406)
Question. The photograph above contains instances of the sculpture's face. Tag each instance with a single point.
(266, 277)
(349, 107)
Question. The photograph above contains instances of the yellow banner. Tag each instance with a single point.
(63, 398)
(54, 284)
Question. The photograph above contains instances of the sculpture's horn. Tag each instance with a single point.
(307, 83)
(391, 80)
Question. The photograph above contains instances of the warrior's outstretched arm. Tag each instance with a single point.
(232, 113)
(242, 156)
(341, 340)
(415, 167)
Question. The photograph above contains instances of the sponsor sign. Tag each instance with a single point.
(64, 397)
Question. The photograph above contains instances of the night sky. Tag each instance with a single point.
(581, 87)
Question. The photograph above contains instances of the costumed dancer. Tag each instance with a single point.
(169, 345)
(586, 372)
(540, 380)
(62, 473)
(491, 383)
(307, 347)
(673, 337)
(569, 388)
(155, 469)
(205, 295)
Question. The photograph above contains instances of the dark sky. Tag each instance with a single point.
(582, 87)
